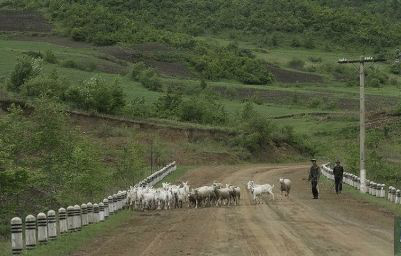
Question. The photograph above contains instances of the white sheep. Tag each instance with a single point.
(285, 186)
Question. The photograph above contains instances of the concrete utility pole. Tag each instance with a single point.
(362, 128)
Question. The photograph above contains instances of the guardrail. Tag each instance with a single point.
(47, 227)
(374, 189)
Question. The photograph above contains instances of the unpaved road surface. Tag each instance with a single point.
(332, 225)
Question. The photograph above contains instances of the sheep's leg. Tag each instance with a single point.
(271, 193)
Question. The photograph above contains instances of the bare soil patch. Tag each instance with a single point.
(373, 102)
(13, 20)
(289, 76)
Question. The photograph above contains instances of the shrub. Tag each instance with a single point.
(376, 78)
(203, 84)
(309, 43)
(50, 57)
(25, 69)
(84, 66)
(97, 94)
(34, 54)
(202, 109)
(138, 108)
(314, 59)
(137, 70)
(295, 43)
(395, 68)
(255, 134)
(51, 86)
(169, 103)
(296, 64)
(150, 80)
(315, 103)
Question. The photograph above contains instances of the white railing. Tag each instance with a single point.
(374, 189)
(46, 227)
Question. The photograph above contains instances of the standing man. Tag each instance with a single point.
(314, 175)
(338, 172)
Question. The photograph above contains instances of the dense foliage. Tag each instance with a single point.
(374, 23)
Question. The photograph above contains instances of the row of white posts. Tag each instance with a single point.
(373, 188)
(44, 228)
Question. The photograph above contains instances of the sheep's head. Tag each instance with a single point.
(281, 180)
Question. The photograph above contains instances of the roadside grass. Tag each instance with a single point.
(379, 202)
(5, 248)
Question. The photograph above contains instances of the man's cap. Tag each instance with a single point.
(337, 161)
(313, 160)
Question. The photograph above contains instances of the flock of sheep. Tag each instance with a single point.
(171, 196)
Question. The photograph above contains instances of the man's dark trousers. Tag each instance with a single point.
(315, 192)
(339, 184)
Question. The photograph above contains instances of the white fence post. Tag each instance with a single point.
(77, 218)
(101, 211)
(52, 225)
(17, 244)
(42, 228)
(70, 219)
(95, 213)
(62, 220)
(90, 212)
(30, 232)
(106, 208)
(111, 208)
(84, 217)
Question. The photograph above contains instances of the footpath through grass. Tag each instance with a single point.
(70, 243)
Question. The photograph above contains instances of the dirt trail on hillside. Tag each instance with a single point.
(333, 225)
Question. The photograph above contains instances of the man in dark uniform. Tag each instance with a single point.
(314, 175)
(338, 172)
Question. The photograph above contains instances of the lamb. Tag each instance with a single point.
(285, 186)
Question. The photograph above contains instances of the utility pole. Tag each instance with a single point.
(362, 128)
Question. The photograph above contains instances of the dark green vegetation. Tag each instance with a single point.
(216, 81)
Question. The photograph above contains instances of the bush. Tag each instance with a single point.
(376, 78)
(255, 134)
(50, 57)
(395, 68)
(203, 84)
(203, 109)
(296, 64)
(309, 43)
(84, 66)
(34, 54)
(97, 94)
(137, 70)
(150, 80)
(138, 108)
(314, 59)
(168, 105)
(295, 43)
(25, 69)
(51, 86)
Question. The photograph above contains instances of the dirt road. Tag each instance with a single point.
(333, 225)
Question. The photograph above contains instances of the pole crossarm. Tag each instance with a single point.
(361, 60)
